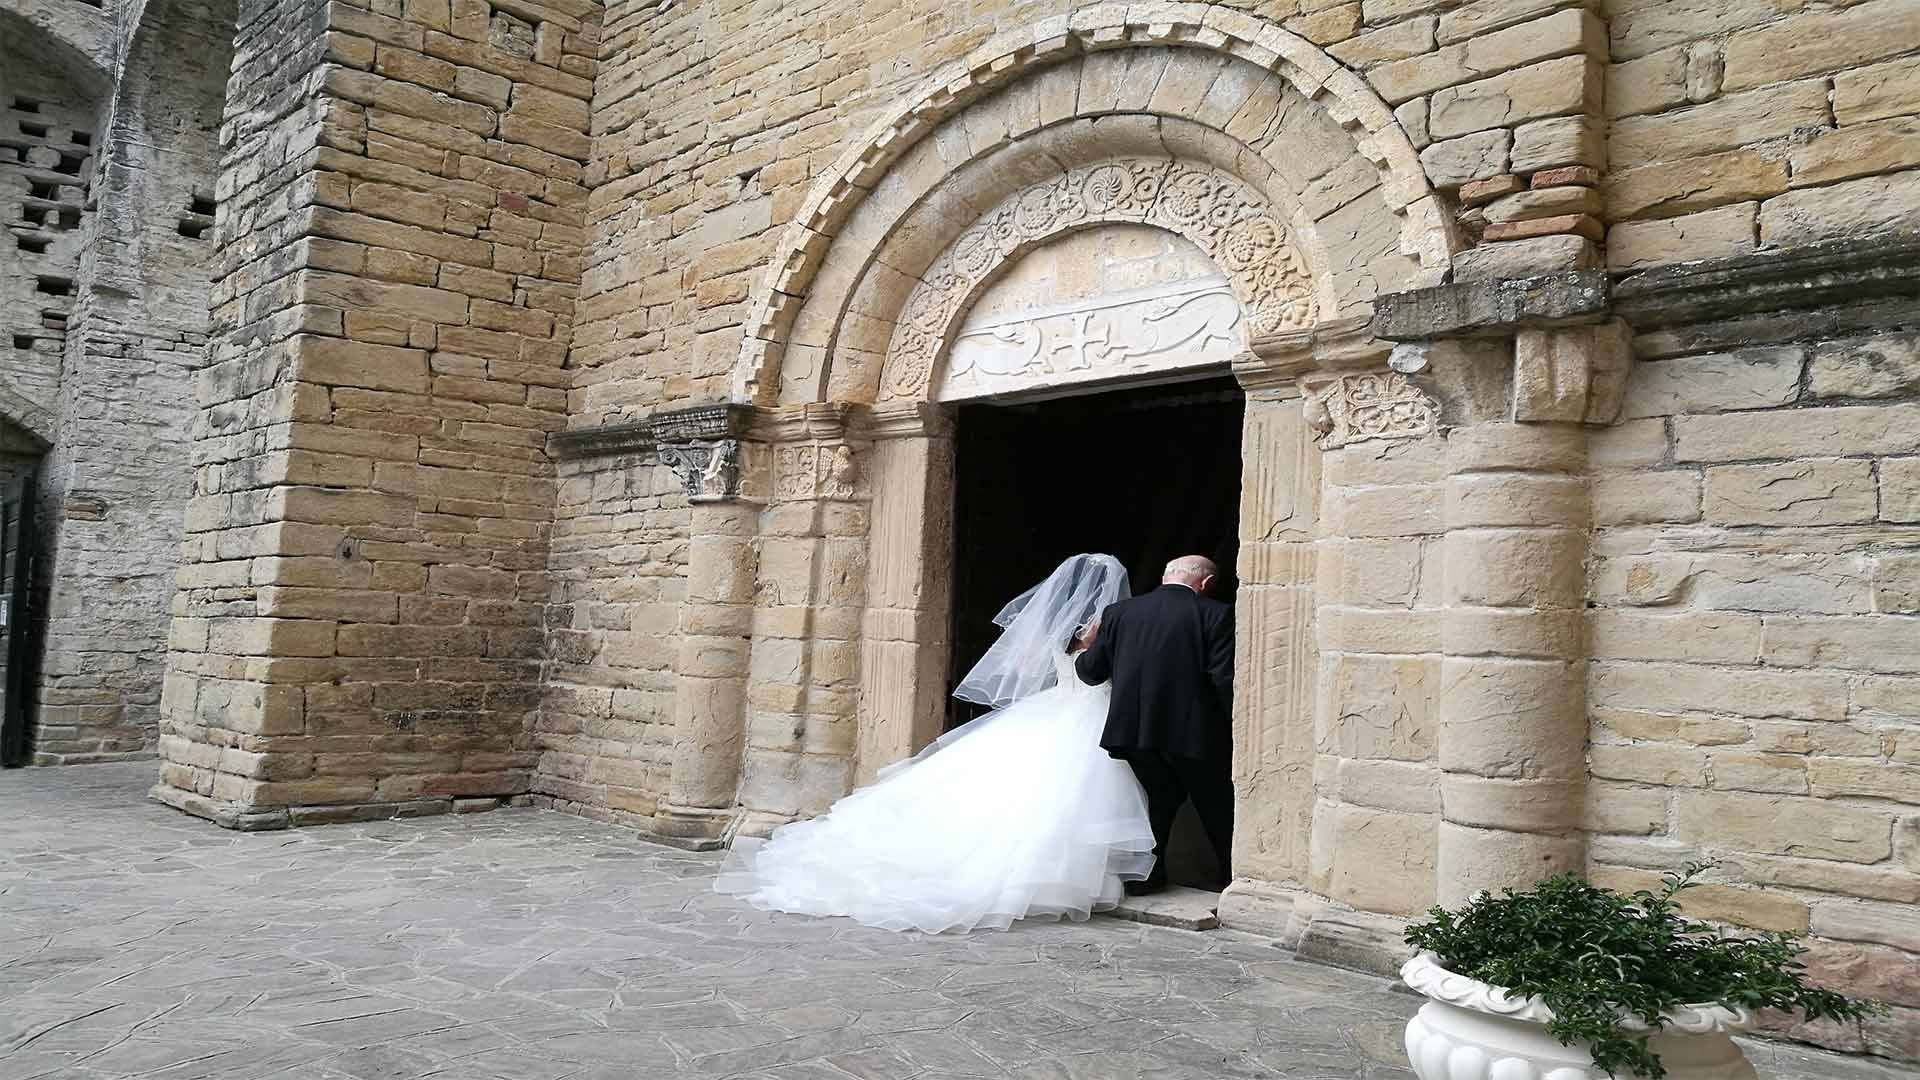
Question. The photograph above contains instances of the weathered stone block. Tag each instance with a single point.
(1729, 122)
(1863, 150)
(1783, 825)
(1798, 492)
(1552, 88)
(1877, 92)
(1533, 257)
(1718, 382)
(1559, 143)
(1730, 230)
(1820, 42)
(1855, 206)
(1664, 496)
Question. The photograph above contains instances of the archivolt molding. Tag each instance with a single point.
(1221, 215)
(1003, 59)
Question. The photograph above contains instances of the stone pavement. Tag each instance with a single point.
(136, 941)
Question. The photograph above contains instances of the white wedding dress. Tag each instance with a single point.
(1016, 815)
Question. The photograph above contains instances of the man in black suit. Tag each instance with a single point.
(1169, 655)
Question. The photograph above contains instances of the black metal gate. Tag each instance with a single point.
(16, 562)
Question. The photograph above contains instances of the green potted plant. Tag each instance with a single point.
(1569, 981)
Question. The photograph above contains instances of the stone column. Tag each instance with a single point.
(905, 639)
(1513, 724)
(1513, 728)
(710, 667)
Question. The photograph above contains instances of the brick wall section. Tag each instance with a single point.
(1755, 689)
(360, 622)
(1759, 125)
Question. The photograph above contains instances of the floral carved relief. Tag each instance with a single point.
(1369, 405)
(815, 471)
(1228, 221)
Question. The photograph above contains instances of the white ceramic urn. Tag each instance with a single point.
(1470, 1030)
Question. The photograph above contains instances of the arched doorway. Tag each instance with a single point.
(1282, 169)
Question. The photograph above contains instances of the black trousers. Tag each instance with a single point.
(1171, 781)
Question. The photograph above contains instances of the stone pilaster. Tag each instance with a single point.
(804, 670)
(905, 641)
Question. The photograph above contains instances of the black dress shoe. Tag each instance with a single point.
(1143, 888)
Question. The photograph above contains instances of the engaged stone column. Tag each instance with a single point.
(1513, 729)
(710, 668)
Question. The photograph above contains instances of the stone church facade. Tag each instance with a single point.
(561, 407)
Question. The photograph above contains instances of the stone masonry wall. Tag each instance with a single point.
(605, 730)
(1567, 134)
(358, 628)
(49, 126)
(1755, 633)
(1736, 126)
(116, 482)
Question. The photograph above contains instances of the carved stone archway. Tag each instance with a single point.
(863, 171)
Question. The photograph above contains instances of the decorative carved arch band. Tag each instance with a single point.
(1230, 222)
(1425, 230)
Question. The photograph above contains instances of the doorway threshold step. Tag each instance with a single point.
(1180, 908)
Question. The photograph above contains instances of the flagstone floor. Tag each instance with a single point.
(138, 942)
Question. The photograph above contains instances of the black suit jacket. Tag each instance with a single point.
(1169, 655)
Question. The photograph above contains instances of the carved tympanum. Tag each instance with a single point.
(1227, 220)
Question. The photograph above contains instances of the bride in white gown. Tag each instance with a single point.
(1018, 814)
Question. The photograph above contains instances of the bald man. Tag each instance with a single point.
(1169, 655)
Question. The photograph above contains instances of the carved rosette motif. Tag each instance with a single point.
(1369, 405)
(815, 471)
(1227, 220)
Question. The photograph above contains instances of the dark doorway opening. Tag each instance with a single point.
(1142, 474)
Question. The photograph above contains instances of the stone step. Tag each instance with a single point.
(1178, 907)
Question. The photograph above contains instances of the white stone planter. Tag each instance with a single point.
(1469, 1030)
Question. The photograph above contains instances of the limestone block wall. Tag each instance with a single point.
(359, 627)
(604, 734)
(116, 481)
(1755, 687)
(1739, 126)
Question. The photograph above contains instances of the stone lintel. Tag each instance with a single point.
(1809, 278)
(1492, 308)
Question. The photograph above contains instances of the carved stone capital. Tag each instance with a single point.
(718, 471)
(817, 470)
(1364, 405)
